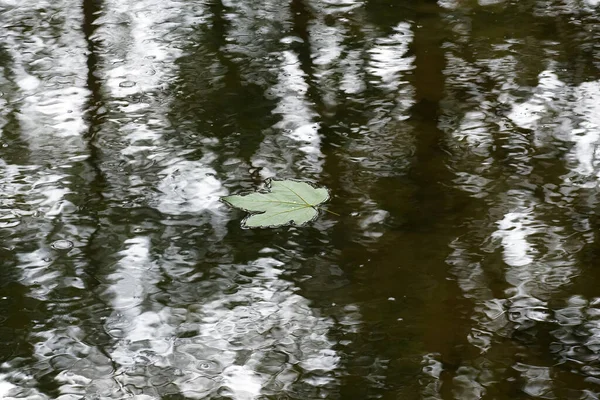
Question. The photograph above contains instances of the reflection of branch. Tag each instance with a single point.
(220, 28)
(301, 19)
(91, 8)
(219, 24)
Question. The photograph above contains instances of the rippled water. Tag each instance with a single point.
(459, 140)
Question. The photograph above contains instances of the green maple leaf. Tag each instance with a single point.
(287, 202)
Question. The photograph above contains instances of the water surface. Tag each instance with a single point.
(459, 140)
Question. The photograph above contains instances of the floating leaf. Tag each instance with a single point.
(287, 202)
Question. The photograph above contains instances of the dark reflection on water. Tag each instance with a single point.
(459, 141)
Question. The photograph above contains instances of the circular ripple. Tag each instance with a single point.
(208, 367)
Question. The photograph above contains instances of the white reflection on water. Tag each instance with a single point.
(297, 118)
(237, 343)
(389, 59)
(573, 115)
(539, 380)
(328, 51)
(140, 58)
(296, 143)
(527, 242)
(585, 133)
(263, 335)
(190, 187)
(43, 87)
(257, 340)
(353, 73)
(527, 115)
(385, 144)
(258, 41)
(254, 341)
(513, 231)
(50, 76)
(338, 6)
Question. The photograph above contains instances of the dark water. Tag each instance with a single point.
(460, 142)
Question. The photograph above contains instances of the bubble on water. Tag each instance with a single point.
(127, 84)
(62, 244)
(116, 333)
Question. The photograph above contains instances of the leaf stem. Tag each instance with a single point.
(330, 212)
